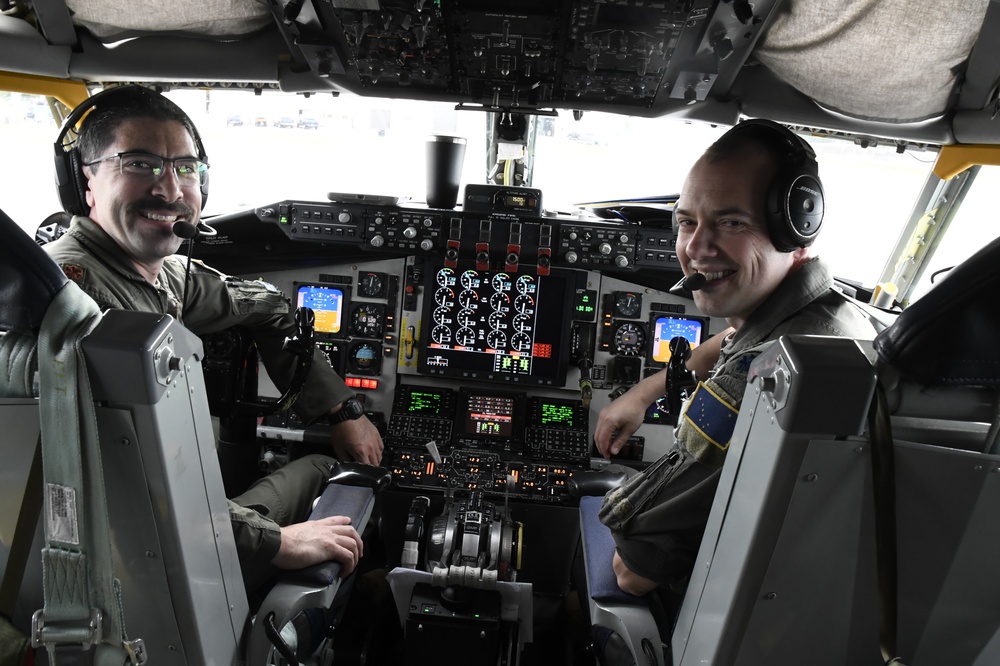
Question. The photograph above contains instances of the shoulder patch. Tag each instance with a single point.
(743, 363)
(74, 272)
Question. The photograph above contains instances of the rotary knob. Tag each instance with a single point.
(604, 248)
(571, 257)
(344, 217)
(621, 261)
(377, 241)
(409, 232)
(427, 245)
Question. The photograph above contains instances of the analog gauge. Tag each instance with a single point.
(520, 342)
(627, 304)
(445, 277)
(495, 319)
(526, 284)
(524, 304)
(444, 295)
(466, 317)
(441, 315)
(367, 320)
(496, 339)
(501, 282)
(499, 301)
(470, 279)
(521, 323)
(465, 337)
(629, 339)
(467, 298)
(371, 285)
(364, 358)
(441, 335)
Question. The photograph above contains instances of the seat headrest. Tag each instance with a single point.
(949, 337)
(29, 279)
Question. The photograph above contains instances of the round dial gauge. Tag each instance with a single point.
(496, 339)
(470, 279)
(467, 298)
(520, 342)
(466, 317)
(465, 337)
(501, 282)
(445, 277)
(367, 320)
(499, 300)
(495, 319)
(444, 295)
(525, 284)
(524, 304)
(441, 315)
(364, 358)
(521, 323)
(627, 304)
(629, 339)
(371, 285)
(441, 335)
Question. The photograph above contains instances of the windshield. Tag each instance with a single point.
(275, 146)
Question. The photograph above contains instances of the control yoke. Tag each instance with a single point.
(680, 380)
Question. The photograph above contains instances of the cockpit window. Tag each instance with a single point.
(275, 146)
(975, 224)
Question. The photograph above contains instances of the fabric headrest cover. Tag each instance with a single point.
(949, 337)
(29, 279)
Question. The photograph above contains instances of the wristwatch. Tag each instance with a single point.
(350, 411)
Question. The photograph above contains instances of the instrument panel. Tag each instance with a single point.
(483, 343)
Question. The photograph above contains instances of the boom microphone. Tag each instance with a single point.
(185, 230)
(688, 284)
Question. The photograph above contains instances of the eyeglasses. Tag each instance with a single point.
(150, 167)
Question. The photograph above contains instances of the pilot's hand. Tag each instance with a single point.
(317, 541)
(357, 440)
(629, 581)
(618, 421)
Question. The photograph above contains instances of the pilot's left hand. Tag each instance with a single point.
(357, 440)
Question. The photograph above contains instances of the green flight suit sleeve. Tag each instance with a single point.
(216, 302)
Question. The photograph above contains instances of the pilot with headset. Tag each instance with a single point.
(136, 180)
(748, 211)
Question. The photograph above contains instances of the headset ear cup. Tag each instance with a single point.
(79, 183)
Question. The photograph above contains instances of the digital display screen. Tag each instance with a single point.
(585, 304)
(326, 302)
(424, 403)
(495, 326)
(489, 415)
(666, 328)
(559, 415)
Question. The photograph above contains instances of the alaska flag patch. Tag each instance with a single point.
(712, 416)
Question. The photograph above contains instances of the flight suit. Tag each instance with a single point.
(92, 259)
(658, 516)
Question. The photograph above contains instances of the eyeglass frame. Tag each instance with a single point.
(201, 165)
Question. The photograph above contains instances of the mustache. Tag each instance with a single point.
(151, 203)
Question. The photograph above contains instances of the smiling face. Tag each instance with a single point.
(722, 233)
(139, 213)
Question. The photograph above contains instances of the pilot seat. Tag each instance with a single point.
(137, 553)
(854, 519)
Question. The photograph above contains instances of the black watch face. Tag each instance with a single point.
(352, 409)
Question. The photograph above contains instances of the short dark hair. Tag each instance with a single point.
(100, 126)
(733, 144)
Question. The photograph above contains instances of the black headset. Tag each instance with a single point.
(795, 204)
(70, 181)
